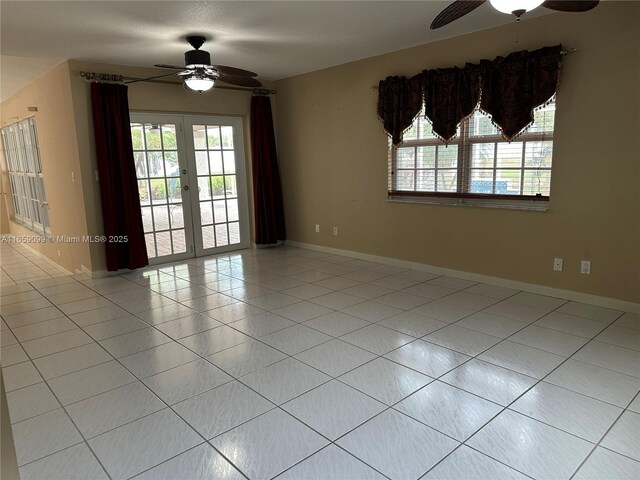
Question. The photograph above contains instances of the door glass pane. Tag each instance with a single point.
(234, 233)
(175, 216)
(229, 162)
(204, 188)
(158, 190)
(161, 218)
(221, 235)
(216, 162)
(208, 238)
(227, 137)
(220, 211)
(202, 163)
(199, 138)
(179, 242)
(232, 210)
(206, 213)
(156, 164)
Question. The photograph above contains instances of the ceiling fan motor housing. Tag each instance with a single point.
(197, 58)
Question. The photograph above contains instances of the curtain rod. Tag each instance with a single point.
(111, 78)
(564, 52)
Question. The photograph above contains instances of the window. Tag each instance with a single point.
(477, 166)
(25, 175)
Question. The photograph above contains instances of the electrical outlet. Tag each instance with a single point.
(58, 252)
(317, 228)
(557, 264)
(73, 177)
(335, 231)
(585, 267)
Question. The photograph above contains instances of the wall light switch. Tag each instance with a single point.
(585, 267)
(317, 228)
(335, 231)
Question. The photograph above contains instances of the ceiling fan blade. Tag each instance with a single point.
(162, 65)
(233, 71)
(148, 78)
(240, 81)
(457, 9)
(571, 5)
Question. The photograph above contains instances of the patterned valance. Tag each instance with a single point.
(508, 89)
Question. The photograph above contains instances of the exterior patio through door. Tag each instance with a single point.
(192, 184)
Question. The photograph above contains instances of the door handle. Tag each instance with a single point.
(184, 171)
(186, 187)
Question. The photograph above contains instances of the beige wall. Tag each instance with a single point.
(144, 97)
(56, 125)
(333, 155)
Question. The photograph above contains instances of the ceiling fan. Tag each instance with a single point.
(460, 8)
(199, 75)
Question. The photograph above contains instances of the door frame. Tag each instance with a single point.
(241, 180)
(186, 153)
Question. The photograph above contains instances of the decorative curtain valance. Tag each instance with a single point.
(399, 102)
(508, 88)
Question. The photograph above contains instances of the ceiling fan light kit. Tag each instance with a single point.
(512, 6)
(460, 8)
(199, 83)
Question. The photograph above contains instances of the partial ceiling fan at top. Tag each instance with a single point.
(199, 74)
(460, 8)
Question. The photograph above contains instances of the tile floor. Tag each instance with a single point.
(297, 364)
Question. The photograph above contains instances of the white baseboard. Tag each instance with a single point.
(476, 277)
(45, 258)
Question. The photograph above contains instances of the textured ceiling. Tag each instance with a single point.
(275, 39)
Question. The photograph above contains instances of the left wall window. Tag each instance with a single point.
(21, 151)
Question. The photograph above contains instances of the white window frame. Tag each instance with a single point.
(26, 179)
(460, 197)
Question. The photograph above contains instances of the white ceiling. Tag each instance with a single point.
(275, 39)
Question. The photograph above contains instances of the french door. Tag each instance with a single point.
(192, 184)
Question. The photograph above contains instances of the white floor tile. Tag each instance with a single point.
(549, 340)
(246, 358)
(295, 339)
(215, 340)
(20, 375)
(91, 381)
(112, 328)
(603, 463)
(13, 354)
(411, 323)
(630, 320)
(372, 311)
(385, 380)
(234, 311)
(596, 382)
(42, 329)
(302, 311)
(590, 311)
(189, 325)
(463, 340)
(449, 410)
(492, 291)
(137, 446)
(137, 341)
(377, 339)
(397, 445)
(612, 357)
(577, 414)
(517, 311)
(98, 315)
(335, 357)
(43, 435)
(35, 316)
(466, 464)
(465, 298)
(71, 360)
(30, 401)
(158, 359)
(186, 381)
(522, 359)
(446, 312)
(199, 463)
(73, 463)
(285, 380)
(114, 408)
(488, 381)
(260, 325)
(59, 342)
(522, 442)
(333, 409)
(582, 327)
(492, 324)
(336, 300)
(221, 409)
(624, 436)
(336, 324)
(331, 463)
(269, 444)
(427, 358)
(621, 336)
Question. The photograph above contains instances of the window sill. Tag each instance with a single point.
(511, 204)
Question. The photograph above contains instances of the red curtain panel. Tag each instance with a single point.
(125, 245)
(267, 189)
